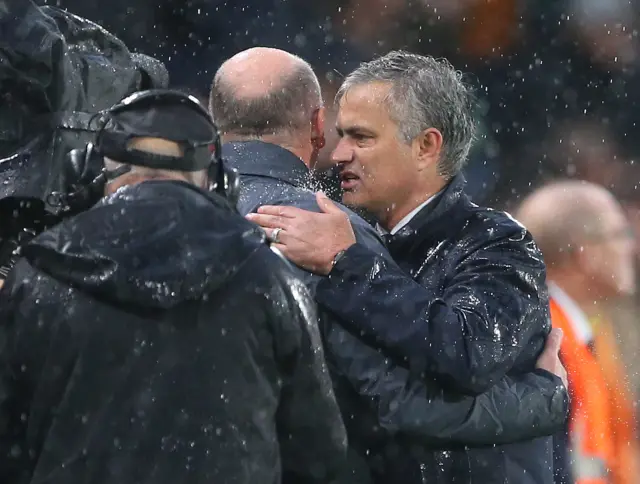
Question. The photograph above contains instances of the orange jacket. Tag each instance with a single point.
(602, 425)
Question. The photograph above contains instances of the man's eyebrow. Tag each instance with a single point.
(353, 129)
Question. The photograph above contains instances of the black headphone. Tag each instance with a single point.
(84, 175)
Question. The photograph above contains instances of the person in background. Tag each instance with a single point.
(155, 337)
(270, 111)
(589, 250)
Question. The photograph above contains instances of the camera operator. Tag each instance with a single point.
(154, 337)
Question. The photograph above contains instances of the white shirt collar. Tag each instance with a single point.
(407, 218)
(572, 311)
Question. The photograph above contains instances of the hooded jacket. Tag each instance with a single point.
(156, 339)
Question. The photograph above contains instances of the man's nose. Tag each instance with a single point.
(342, 153)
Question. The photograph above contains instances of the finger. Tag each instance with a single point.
(280, 249)
(326, 204)
(282, 236)
(554, 340)
(268, 221)
(280, 210)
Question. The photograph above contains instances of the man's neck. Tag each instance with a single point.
(580, 293)
(135, 179)
(294, 147)
(397, 212)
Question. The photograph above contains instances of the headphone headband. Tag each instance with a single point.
(112, 141)
(84, 179)
(159, 96)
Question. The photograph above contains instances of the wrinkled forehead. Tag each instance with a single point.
(364, 105)
(369, 93)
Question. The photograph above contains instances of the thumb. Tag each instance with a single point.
(554, 340)
(325, 204)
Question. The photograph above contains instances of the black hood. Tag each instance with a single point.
(155, 244)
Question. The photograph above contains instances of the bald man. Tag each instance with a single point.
(566, 217)
(586, 243)
(272, 97)
(269, 108)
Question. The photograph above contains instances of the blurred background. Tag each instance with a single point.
(558, 81)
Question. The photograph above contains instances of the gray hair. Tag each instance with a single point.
(425, 93)
(285, 109)
(160, 147)
(198, 178)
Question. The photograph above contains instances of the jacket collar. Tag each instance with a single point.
(437, 220)
(574, 314)
(258, 158)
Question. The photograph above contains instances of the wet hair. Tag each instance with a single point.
(425, 93)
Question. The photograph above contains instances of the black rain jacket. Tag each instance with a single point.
(466, 304)
(157, 339)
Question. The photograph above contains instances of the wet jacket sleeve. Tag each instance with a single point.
(515, 409)
(313, 440)
(469, 334)
(561, 458)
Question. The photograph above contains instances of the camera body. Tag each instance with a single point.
(83, 175)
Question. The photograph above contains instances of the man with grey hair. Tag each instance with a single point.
(466, 304)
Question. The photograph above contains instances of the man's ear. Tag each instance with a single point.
(317, 128)
(426, 148)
